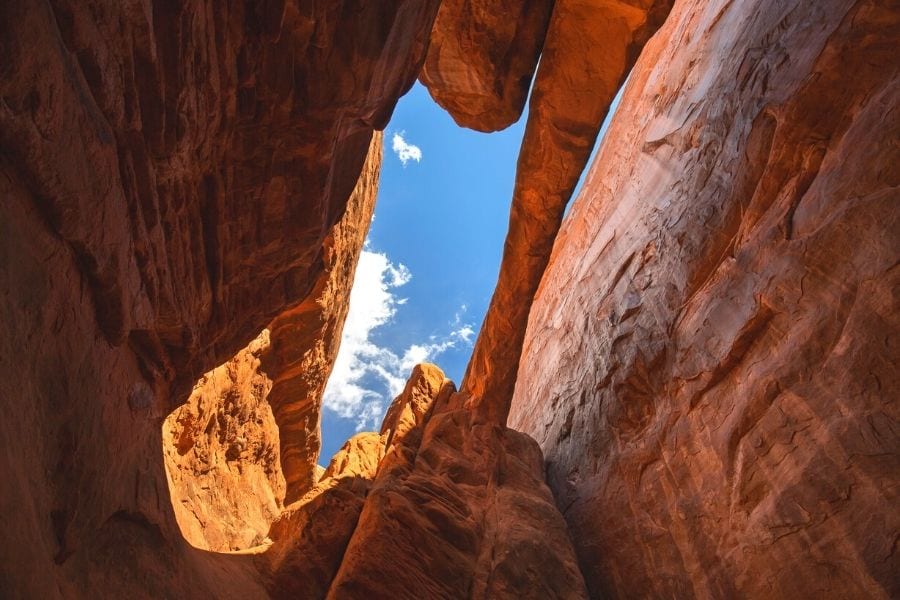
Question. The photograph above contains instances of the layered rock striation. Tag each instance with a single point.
(247, 440)
(710, 363)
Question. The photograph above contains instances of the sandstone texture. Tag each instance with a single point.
(589, 48)
(705, 386)
(305, 338)
(253, 422)
(710, 365)
(311, 536)
(222, 456)
(169, 177)
(482, 58)
(458, 509)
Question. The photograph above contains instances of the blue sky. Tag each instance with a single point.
(430, 264)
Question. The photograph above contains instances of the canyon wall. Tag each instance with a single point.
(247, 440)
(170, 174)
(710, 365)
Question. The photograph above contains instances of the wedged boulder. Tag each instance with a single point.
(482, 58)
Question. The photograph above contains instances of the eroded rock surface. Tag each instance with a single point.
(232, 463)
(459, 509)
(482, 58)
(311, 535)
(169, 175)
(574, 86)
(305, 339)
(222, 456)
(710, 365)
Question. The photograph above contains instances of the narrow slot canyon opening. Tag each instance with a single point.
(424, 278)
(231, 263)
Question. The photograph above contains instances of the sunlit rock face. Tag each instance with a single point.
(311, 535)
(222, 456)
(587, 52)
(710, 363)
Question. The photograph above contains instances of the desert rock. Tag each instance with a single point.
(720, 315)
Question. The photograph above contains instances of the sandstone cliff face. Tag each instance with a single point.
(247, 440)
(482, 58)
(710, 363)
(311, 536)
(222, 458)
(305, 338)
(168, 181)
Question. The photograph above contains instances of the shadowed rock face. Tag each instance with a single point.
(433, 507)
(710, 363)
(169, 176)
(247, 440)
(305, 338)
(187, 164)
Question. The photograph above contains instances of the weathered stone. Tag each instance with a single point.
(459, 510)
(710, 365)
(311, 535)
(305, 338)
(169, 175)
(222, 458)
(482, 58)
(575, 84)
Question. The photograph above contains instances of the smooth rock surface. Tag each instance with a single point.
(711, 361)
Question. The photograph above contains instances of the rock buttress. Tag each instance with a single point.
(588, 50)
(710, 364)
(458, 509)
(311, 535)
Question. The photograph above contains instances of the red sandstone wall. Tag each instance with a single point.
(710, 365)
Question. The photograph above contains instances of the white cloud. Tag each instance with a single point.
(404, 150)
(367, 376)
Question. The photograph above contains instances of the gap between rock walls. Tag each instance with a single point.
(683, 382)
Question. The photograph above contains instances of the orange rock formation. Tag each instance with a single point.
(711, 361)
(709, 364)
